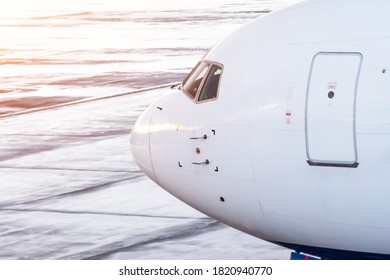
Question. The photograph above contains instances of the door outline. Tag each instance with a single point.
(333, 163)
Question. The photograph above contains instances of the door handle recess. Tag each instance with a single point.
(202, 163)
(203, 137)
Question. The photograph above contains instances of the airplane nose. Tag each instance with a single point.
(140, 143)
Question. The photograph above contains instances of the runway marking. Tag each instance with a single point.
(69, 169)
(66, 136)
(86, 100)
(45, 210)
(73, 193)
(174, 233)
(63, 141)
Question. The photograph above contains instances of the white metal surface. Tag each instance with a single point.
(269, 190)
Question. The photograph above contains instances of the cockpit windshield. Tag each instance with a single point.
(203, 82)
(194, 80)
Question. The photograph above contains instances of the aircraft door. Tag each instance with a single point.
(331, 109)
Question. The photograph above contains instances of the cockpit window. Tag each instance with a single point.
(203, 81)
(194, 80)
(210, 87)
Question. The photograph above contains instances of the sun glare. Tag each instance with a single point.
(22, 8)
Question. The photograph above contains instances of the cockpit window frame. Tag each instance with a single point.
(210, 65)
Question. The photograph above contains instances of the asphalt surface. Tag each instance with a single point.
(71, 190)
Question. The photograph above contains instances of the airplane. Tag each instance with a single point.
(282, 130)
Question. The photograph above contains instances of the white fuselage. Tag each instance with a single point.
(298, 138)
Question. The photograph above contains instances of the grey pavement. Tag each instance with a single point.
(69, 189)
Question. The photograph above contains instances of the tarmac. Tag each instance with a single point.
(71, 190)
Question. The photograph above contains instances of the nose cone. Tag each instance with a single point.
(140, 143)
